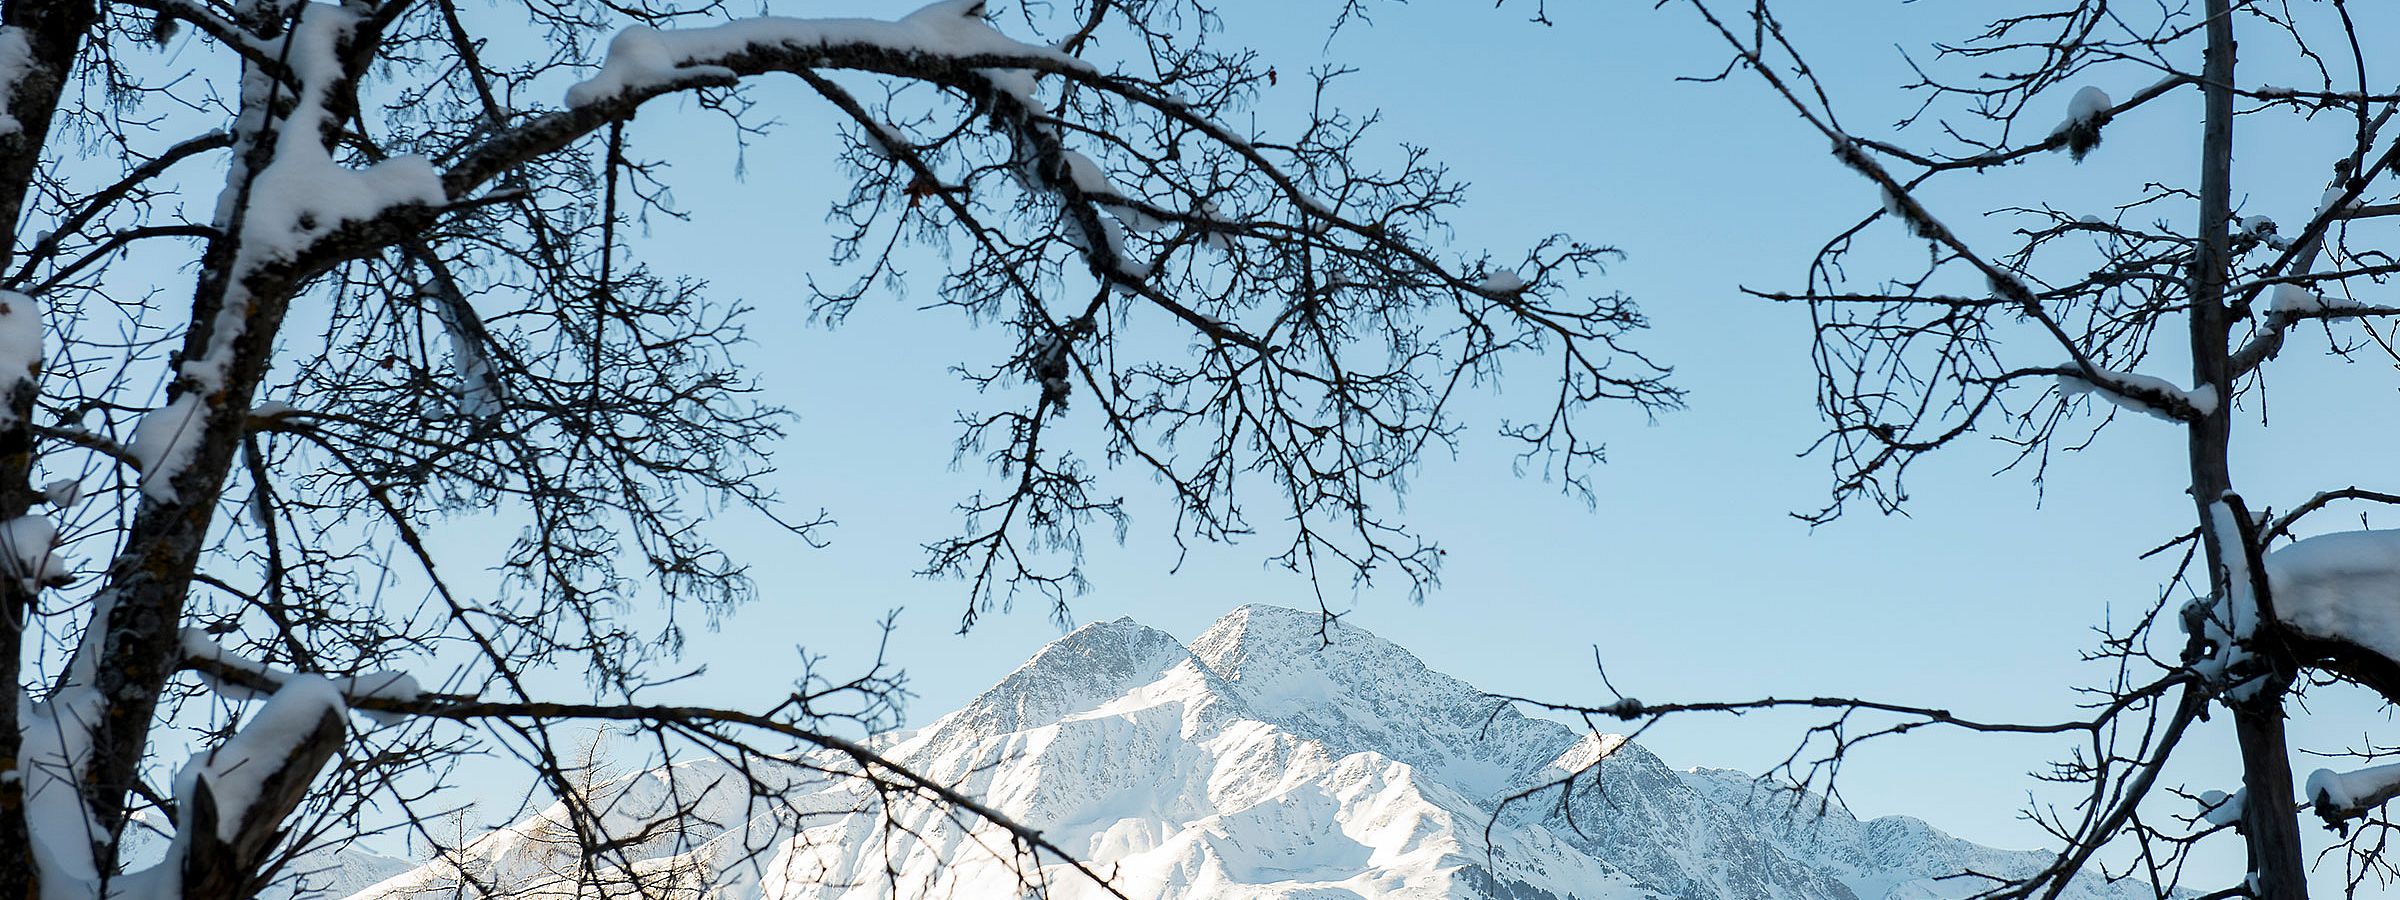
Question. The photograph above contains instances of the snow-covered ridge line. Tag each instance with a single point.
(1254, 763)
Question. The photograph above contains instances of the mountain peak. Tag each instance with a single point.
(1259, 633)
(1357, 692)
(1285, 757)
(1079, 671)
(1116, 647)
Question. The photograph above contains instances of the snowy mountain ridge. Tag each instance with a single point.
(1256, 762)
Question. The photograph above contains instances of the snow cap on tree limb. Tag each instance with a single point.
(2085, 114)
(644, 58)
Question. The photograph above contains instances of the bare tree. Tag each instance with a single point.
(410, 292)
(2053, 316)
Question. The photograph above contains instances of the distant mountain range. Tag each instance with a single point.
(1256, 763)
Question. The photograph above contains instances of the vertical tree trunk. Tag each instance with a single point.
(2270, 817)
(54, 32)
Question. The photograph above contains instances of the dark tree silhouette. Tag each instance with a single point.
(405, 290)
(2162, 300)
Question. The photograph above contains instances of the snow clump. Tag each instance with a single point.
(2085, 114)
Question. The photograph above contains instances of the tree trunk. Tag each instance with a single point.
(2270, 814)
(55, 33)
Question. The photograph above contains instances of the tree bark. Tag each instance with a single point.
(55, 33)
(2270, 817)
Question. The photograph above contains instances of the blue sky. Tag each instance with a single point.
(1687, 576)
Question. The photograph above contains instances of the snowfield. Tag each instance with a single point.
(1252, 764)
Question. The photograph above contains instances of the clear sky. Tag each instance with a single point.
(1687, 576)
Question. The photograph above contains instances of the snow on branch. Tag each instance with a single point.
(2292, 301)
(164, 441)
(16, 62)
(301, 194)
(2145, 394)
(2289, 304)
(2344, 589)
(20, 349)
(284, 197)
(478, 386)
(2345, 584)
(235, 772)
(2224, 625)
(232, 800)
(2339, 796)
(948, 41)
(2335, 602)
(642, 59)
(29, 553)
(2220, 808)
(2085, 114)
(238, 678)
(55, 751)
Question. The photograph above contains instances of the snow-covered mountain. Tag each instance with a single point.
(1255, 763)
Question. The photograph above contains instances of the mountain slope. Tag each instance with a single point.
(1258, 762)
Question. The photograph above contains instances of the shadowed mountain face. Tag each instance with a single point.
(1256, 763)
